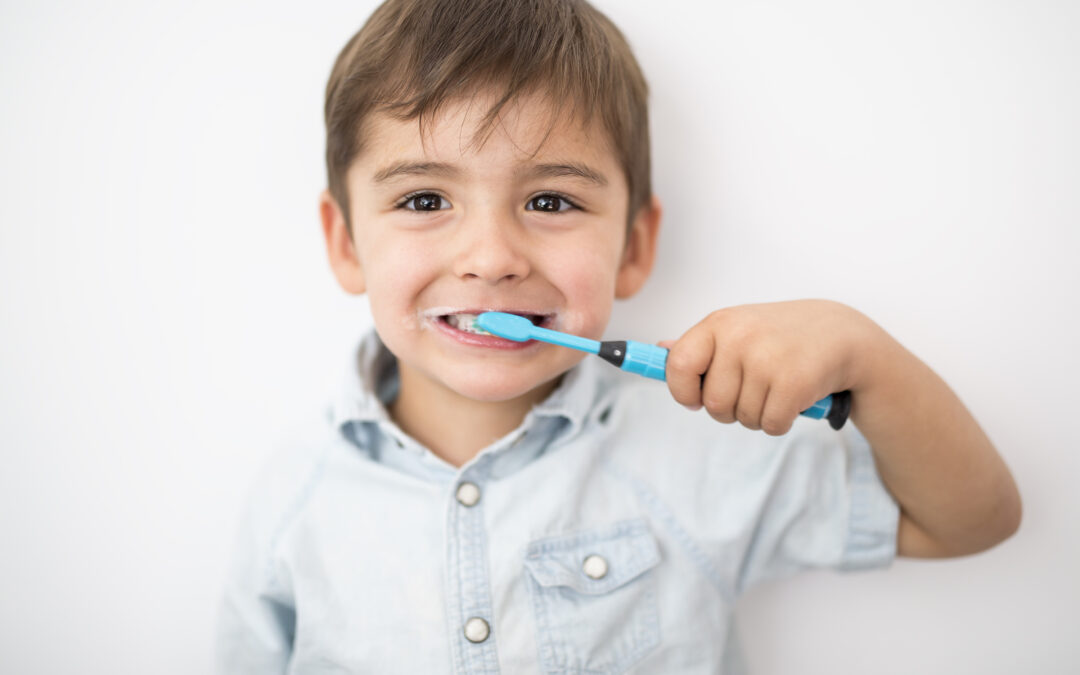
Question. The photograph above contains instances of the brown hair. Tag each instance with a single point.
(412, 56)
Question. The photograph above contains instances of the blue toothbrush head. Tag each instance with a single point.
(509, 326)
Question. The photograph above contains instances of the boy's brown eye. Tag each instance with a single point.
(427, 201)
(548, 203)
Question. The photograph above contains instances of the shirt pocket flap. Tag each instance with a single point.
(627, 549)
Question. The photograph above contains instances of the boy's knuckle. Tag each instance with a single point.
(715, 403)
(722, 417)
(775, 425)
(680, 361)
(717, 316)
(746, 418)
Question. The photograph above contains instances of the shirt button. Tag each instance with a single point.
(468, 494)
(595, 567)
(476, 630)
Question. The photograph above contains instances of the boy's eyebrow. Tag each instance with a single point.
(408, 167)
(414, 168)
(567, 169)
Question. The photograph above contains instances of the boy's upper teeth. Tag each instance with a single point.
(473, 315)
(466, 321)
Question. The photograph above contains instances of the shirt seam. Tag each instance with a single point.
(660, 511)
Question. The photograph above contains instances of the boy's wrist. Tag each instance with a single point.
(874, 354)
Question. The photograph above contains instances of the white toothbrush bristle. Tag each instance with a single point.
(467, 323)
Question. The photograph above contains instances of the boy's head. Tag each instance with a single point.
(487, 154)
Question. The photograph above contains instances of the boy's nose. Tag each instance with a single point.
(491, 251)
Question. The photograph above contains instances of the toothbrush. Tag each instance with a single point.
(634, 357)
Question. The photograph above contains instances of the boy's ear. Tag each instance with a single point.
(640, 252)
(340, 249)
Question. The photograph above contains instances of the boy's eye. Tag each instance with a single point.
(424, 201)
(551, 203)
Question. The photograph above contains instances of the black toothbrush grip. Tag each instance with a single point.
(840, 409)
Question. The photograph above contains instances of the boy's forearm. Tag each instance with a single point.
(932, 455)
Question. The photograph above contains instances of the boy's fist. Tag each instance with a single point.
(764, 364)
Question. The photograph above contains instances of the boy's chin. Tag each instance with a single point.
(496, 386)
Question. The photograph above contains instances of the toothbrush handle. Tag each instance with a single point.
(651, 360)
(645, 359)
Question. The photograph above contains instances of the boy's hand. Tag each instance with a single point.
(764, 364)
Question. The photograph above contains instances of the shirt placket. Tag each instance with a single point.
(472, 625)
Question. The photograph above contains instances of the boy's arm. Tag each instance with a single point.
(955, 493)
(762, 364)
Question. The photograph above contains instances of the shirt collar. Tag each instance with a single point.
(371, 384)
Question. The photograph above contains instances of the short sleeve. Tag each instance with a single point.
(821, 504)
(256, 619)
(254, 623)
(873, 514)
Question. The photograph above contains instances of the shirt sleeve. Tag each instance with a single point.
(256, 618)
(821, 504)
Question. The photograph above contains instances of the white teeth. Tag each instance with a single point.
(466, 322)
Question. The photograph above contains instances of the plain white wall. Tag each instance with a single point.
(166, 308)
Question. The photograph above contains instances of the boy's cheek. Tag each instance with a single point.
(582, 274)
(588, 296)
(395, 281)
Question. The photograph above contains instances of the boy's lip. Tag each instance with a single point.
(439, 319)
(442, 311)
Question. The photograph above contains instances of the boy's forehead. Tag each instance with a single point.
(526, 132)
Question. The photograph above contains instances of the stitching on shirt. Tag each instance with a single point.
(573, 540)
(667, 518)
(547, 650)
(299, 501)
(453, 591)
(467, 541)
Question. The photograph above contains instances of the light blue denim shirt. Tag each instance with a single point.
(612, 532)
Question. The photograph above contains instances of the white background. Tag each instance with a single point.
(166, 308)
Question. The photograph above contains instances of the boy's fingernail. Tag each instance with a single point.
(692, 408)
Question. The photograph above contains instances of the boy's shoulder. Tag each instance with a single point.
(288, 471)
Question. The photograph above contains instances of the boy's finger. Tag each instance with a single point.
(687, 360)
(777, 413)
(751, 402)
(720, 390)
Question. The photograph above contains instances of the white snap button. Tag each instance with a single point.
(595, 567)
(468, 494)
(476, 630)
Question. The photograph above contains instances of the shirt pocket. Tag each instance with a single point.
(600, 616)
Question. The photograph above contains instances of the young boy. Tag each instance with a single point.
(475, 505)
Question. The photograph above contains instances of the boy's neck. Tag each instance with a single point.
(461, 427)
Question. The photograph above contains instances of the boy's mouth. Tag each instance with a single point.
(466, 321)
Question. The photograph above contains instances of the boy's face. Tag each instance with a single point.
(440, 230)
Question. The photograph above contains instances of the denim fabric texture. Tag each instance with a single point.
(612, 532)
